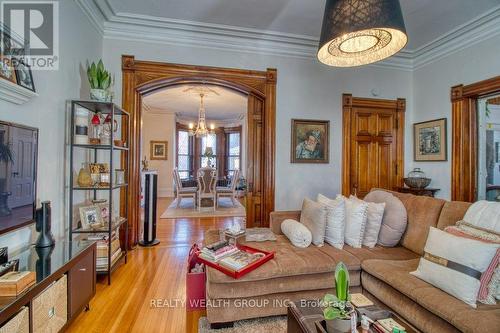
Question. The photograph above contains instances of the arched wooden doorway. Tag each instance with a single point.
(140, 78)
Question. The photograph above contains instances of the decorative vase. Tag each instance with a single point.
(416, 173)
(81, 127)
(417, 179)
(84, 178)
(338, 326)
(100, 95)
(43, 226)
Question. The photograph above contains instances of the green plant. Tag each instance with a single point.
(336, 306)
(99, 78)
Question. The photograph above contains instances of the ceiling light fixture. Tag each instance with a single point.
(360, 32)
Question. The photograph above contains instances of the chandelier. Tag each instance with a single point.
(201, 129)
(360, 32)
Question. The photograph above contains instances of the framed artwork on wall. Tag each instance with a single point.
(158, 150)
(24, 76)
(310, 141)
(429, 140)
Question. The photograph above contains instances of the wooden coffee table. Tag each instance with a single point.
(303, 316)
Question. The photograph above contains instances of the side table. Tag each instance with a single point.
(428, 192)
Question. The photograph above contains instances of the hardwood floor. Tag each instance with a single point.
(150, 274)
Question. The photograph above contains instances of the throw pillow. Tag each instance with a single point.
(455, 264)
(485, 215)
(335, 220)
(313, 216)
(296, 232)
(395, 217)
(375, 214)
(355, 221)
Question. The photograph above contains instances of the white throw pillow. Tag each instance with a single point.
(375, 215)
(355, 221)
(297, 233)
(451, 249)
(313, 216)
(335, 220)
(485, 215)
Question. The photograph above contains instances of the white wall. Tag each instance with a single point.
(160, 127)
(431, 97)
(78, 42)
(305, 89)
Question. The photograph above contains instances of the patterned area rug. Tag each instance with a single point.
(187, 210)
(259, 325)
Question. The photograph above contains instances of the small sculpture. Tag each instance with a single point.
(145, 164)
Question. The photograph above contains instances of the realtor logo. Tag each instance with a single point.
(31, 32)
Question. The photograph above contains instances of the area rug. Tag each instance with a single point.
(186, 210)
(259, 325)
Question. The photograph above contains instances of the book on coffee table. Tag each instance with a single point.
(360, 300)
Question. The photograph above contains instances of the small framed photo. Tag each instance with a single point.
(104, 208)
(310, 141)
(24, 76)
(159, 150)
(429, 140)
(7, 70)
(91, 217)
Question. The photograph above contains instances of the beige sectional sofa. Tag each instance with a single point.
(383, 273)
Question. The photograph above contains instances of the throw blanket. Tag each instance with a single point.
(297, 233)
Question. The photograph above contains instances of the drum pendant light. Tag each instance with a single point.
(360, 32)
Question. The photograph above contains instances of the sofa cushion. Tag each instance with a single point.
(380, 252)
(395, 273)
(423, 212)
(313, 216)
(288, 260)
(452, 212)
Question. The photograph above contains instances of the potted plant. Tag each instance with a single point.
(337, 308)
(100, 81)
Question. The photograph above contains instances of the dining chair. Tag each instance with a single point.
(228, 191)
(207, 181)
(183, 192)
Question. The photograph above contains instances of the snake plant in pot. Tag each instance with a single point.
(336, 308)
(100, 80)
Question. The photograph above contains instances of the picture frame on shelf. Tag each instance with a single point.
(310, 141)
(430, 140)
(158, 150)
(105, 215)
(24, 76)
(90, 217)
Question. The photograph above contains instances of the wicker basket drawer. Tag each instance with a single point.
(50, 308)
(20, 323)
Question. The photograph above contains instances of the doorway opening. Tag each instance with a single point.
(191, 128)
(489, 148)
(143, 78)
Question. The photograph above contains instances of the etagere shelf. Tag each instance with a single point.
(116, 155)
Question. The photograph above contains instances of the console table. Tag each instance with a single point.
(65, 284)
(428, 192)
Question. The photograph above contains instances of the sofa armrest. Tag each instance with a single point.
(278, 217)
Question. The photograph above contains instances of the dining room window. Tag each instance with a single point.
(233, 159)
(184, 154)
(208, 146)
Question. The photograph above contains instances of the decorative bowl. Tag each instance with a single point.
(417, 182)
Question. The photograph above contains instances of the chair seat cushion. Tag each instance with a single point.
(396, 274)
(188, 190)
(223, 190)
(381, 252)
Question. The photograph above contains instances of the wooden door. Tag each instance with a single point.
(21, 173)
(373, 144)
(255, 159)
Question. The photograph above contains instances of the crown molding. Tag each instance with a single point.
(133, 27)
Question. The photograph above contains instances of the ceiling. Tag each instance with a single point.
(425, 20)
(227, 106)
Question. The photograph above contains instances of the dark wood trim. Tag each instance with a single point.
(348, 102)
(464, 136)
(141, 78)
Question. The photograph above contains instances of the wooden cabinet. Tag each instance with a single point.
(81, 284)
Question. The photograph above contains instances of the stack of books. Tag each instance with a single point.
(388, 325)
(14, 283)
(103, 244)
(216, 251)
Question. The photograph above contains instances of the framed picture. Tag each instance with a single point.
(104, 208)
(91, 217)
(24, 76)
(429, 140)
(159, 150)
(6, 70)
(310, 141)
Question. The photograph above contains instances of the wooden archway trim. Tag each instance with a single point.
(141, 78)
(464, 136)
